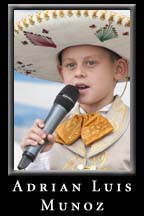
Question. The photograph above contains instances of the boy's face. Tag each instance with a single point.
(91, 69)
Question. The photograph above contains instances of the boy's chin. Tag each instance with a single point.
(84, 101)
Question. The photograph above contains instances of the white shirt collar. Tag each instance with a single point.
(102, 111)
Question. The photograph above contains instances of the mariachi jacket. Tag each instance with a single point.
(109, 154)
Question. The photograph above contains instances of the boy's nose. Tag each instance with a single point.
(79, 72)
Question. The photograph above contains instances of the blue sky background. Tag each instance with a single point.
(25, 115)
(21, 77)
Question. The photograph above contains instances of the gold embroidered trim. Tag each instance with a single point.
(78, 13)
(24, 21)
(70, 13)
(31, 21)
(72, 163)
(46, 15)
(38, 16)
(54, 14)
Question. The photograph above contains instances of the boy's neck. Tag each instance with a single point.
(89, 108)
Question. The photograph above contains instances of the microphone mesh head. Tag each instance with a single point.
(67, 97)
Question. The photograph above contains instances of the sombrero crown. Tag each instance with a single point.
(39, 37)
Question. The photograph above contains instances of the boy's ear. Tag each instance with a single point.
(121, 69)
(59, 67)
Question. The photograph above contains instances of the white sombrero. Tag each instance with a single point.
(39, 37)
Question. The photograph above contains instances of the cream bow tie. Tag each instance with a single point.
(90, 127)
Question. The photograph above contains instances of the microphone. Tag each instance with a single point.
(63, 103)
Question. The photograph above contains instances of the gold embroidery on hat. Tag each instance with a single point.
(127, 23)
(94, 13)
(69, 13)
(54, 14)
(86, 13)
(19, 26)
(78, 13)
(38, 16)
(61, 13)
(119, 20)
(46, 16)
(101, 14)
(110, 17)
(31, 21)
(25, 22)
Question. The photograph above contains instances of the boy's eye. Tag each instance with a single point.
(91, 62)
(70, 65)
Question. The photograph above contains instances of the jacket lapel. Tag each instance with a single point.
(119, 117)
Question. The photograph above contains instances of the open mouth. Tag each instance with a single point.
(82, 86)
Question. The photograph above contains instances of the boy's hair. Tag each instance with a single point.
(114, 56)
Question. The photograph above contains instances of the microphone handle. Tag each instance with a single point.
(56, 114)
(54, 117)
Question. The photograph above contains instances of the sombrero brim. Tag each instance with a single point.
(38, 38)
